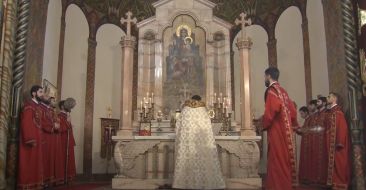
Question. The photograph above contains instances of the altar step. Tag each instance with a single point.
(150, 184)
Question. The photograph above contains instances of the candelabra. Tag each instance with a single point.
(146, 114)
(220, 113)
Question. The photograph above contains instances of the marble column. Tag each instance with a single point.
(158, 77)
(210, 73)
(7, 53)
(354, 93)
(244, 44)
(128, 44)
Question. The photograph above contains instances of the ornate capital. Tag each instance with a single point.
(128, 41)
(244, 44)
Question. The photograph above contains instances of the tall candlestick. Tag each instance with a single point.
(152, 97)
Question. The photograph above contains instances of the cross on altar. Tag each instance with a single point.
(185, 91)
(243, 21)
(129, 20)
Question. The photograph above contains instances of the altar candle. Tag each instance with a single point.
(141, 105)
(152, 97)
(150, 102)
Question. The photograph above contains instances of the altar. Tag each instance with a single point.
(147, 162)
(182, 51)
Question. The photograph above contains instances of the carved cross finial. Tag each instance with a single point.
(243, 21)
(129, 20)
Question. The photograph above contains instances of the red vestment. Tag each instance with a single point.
(68, 143)
(278, 119)
(59, 156)
(319, 153)
(338, 146)
(47, 123)
(305, 152)
(30, 171)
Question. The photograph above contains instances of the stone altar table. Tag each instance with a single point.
(147, 162)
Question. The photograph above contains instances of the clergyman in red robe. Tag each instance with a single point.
(337, 145)
(48, 127)
(306, 157)
(68, 142)
(30, 170)
(279, 119)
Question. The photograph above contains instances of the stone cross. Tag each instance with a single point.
(129, 20)
(243, 21)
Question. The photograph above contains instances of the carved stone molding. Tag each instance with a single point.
(248, 153)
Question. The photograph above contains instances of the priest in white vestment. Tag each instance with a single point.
(197, 164)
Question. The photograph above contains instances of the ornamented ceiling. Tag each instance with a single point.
(265, 12)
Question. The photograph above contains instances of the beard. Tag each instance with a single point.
(266, 83)
(39, 99)
(47, 102)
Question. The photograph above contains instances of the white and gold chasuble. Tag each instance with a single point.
(197, 164)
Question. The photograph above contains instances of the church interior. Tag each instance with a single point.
(131, 64)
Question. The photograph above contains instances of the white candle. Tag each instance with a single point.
(141, 105)
(152, 97)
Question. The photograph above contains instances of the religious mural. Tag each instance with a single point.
(184, 68)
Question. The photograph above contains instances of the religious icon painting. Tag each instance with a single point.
(145, 129)
(49, 89)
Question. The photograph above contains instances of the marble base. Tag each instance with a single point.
(146, 184)
(147, 162)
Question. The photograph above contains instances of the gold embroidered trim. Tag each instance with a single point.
(194, 104)
(289, 136)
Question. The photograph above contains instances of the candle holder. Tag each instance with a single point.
(146, 115)
(220, 113)
(159, 118)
